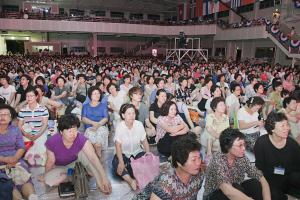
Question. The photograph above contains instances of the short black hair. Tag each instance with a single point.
(41, 79)
(111, 84)
(158, 79)
(252, 101)
(125, 107)
(32, 90)
(276, 84)
(81, 75)
(91, 90)
(233, 85)
(166, 107)
(227, 138)
(27, 77)
(182, 147)
(287, 101)
(13, 113)
(180, 79)
(68, 121)
(60, 77)
(256, 86)
(215, 101)
(6, 77)
(213, 89)
(40, 87)
(272, 119)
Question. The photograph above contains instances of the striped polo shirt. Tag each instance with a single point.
(33, 117)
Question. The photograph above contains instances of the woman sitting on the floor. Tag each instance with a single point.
(95, 116)
(185, 180)
(169, 127)
(67, 147)
(249, 122)
(225, 175)
(129, 136)
(33, 122)
(12, 149)
(278, 157)
(216, 122)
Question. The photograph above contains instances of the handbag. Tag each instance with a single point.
(18, 174)
(194, 115)
(81, 183)
(145, 169)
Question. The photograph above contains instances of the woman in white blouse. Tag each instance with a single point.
(249, 122)
(129, 136)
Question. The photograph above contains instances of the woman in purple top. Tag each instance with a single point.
(67, 147)
(12, 149)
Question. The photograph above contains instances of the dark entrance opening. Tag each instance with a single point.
(15, 46)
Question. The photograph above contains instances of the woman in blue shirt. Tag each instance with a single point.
(95, 116)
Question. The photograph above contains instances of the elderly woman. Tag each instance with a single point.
(12, 149)
(184, 180)
(225, 175)
(69, 146)
(169, 126)
(249, 122)
(129, 136)
(290, 110)
(33, 122)
(95, 116)
(216, 122)
(277, 156)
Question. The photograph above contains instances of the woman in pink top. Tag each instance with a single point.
(288, 83)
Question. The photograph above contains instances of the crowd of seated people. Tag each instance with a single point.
(146, 104)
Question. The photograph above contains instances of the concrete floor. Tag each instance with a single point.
(120, 189)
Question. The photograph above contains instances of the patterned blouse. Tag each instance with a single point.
(160, 132)
(219, 171)
(168, 186)
(183, 95)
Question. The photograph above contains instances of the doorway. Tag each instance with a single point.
(238, 55)
(65, 51)
(15, 46)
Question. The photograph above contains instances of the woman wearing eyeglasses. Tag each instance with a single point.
(225, 174)
(12, 149)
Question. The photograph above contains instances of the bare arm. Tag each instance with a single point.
(265, 188)
(245, 125)
(154, 197)
(13, 159)
(18, 98)
(50, 161)
(63, 94)
(11, 98)
(146, 146)
(152, 118)
(232, 193)
(54, 103)
(173, 129)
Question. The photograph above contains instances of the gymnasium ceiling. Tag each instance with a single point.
(133, 6)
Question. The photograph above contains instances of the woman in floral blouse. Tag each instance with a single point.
(225, 175)
(184, 180)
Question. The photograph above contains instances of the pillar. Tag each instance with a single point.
(94, 45)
